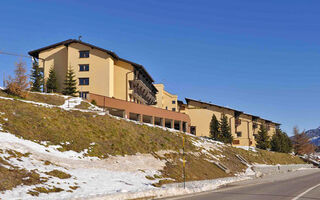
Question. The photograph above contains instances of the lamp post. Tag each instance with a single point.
(183, 162)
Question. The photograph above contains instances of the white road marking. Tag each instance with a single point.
(305, 192)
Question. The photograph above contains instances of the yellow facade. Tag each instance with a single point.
(243, 126)
(166, 100)
(201, 115)
(101, 69)
(54, 58)
(123, 74)
(118, 78)
(107, 74)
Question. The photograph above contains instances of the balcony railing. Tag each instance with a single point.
(145, 82)
(141, 92)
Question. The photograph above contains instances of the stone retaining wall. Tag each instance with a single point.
(274, 169)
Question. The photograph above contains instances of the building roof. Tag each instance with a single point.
(241, 112)
(138, 66)
(180, 102)
(211, 104)
(35, 53)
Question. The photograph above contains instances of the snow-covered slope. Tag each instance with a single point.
(58, 173)
(314, 134)
(117, 177)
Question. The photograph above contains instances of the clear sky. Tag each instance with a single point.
(261, 57)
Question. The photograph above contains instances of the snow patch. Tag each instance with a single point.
(173, 189)
(71, 103)
(248, 148)
(93, 176)
(8, 140)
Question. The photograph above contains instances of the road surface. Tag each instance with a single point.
(302, 185)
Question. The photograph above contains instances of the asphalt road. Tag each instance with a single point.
(302, 185)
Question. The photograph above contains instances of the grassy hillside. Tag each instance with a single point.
(104, 136)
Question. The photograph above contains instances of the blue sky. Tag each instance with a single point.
(261, 57)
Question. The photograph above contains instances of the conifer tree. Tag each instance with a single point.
(225, 131)
(276, 142)
(52, 84)
(214, 128)
(287, 147)
(36, 77)
(263, 140)
(280, 142)
(70, 83)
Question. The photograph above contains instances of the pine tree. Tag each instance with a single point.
(36, 78)
(301, 143)
(276, 142)
(287, 148)
(225, 131)
(70, 83)
(263, 140)
(280, 142)
(214, 128)
(52, 84)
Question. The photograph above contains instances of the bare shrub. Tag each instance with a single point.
(18, 85)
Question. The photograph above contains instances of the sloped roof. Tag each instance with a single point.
(35, 53)
(211, 104)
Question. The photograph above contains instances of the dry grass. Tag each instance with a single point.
(197, 168)
(16, 154)
(38, 97)
(266, 157)
(36, 191)
(49, 99)
(111, 136)
(119, 137)
(12, 177)
(47, 162)
(58, 174)
(83, 105)
(73, 187)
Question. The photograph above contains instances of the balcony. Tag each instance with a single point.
(142, 92)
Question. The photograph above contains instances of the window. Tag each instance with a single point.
(84, 54)
(173, 102)
(84, 95)
(84, 68)
(173, 109)
(83, 81)
(166, 107)
(193, 130)
(239, 134)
